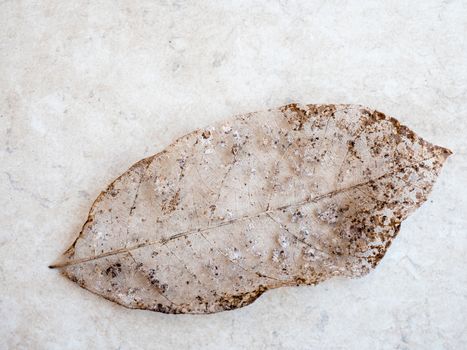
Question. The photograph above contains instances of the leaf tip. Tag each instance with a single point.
(447, 151)
(443, 152)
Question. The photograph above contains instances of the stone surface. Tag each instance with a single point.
(86, 90)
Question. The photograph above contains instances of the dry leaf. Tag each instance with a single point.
(278, 198)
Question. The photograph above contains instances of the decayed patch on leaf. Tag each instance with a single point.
(283, 197)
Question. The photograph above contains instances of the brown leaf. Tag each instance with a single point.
(269, 199)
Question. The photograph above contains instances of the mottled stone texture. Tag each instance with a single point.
(289, 196)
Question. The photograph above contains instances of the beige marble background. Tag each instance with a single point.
(89, 87)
